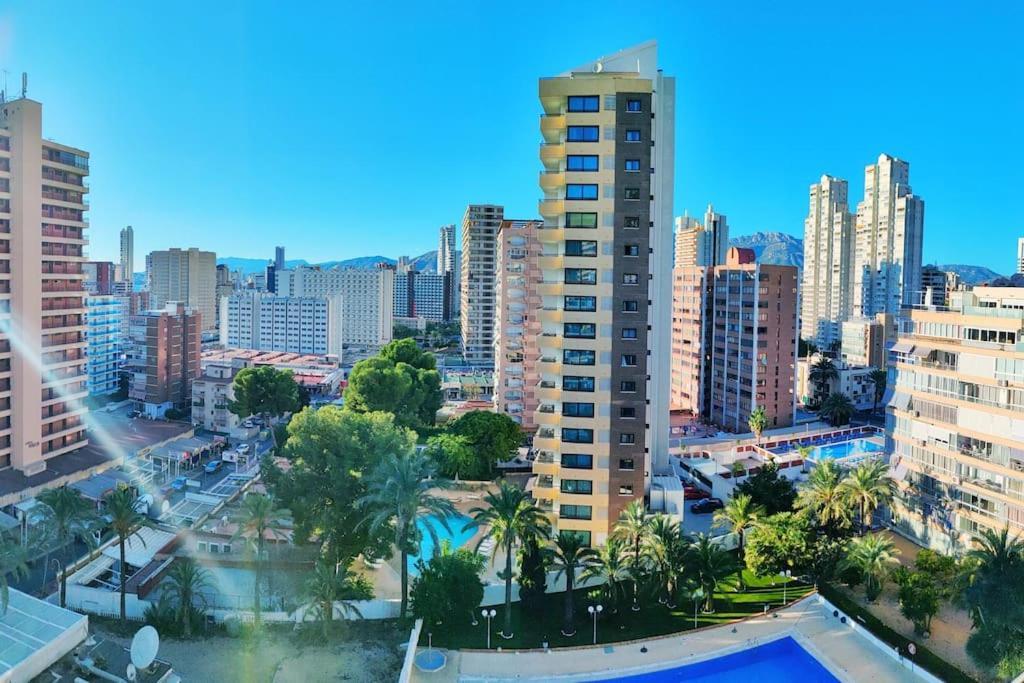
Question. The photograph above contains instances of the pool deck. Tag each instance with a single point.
(849, 656)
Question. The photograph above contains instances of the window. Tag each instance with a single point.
(633, 106)
(583, 134)
(632, 165)
(626, 464)
(578, 409)
(631, 135)
(584, 103)
(576, 383)
(580, 276)
(630, 279)
(627, 386)
(630, 306)
(627, 412)
(631, 250)
(582, 162)
(201, 546)
(577, 461)
(629, 333)
(581, 303)
(632, 193)
(625, 489)
(631, 222)
(582, 192)
(575, 219)
(580, 248)
(629, 360)
(574, 435)
(584, 486)
(627, 439)
(574, 511)
(578, 357)
(584, 536)
(579, 330)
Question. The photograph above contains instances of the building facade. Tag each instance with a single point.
(699, 244)
(105, 317)
(127, 261)
(188, 276)
(852, 380)
(162, 358)
(423, 295)
(267, 322)
(212, 391)
(864, 340)
(690, 329)
(99, 277)
(828, 259)
(479, 275)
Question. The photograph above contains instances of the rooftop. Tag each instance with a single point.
(34, 634)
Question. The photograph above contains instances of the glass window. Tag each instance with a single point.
(581, 303)
(628, 412)
(632, 193)
(631, 250)
(575, 435)
(629, 333)
(627, 438)
(574, 511)
(577, 486)
(583, 192)
(578, 357)
(627, 386)
(584, 103)
(632, 135)
(579, 330)
(575, 219)
(576, 383)
(584, 536)
(580, 248)
(630, 306)
(583, 134)
(629, 360)
(626, 464)
(633, 105)
(625, 489)
(577, 461)
(581, 276)
(632, 164)
(631, 222)
(582, 162)
(578, 409)
(630, 279)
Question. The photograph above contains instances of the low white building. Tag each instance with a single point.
(35, 634)
(295, 324)
(854, 381)
(211, 393)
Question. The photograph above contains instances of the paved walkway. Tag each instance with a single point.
(850, 656)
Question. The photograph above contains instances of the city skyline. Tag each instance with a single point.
(751, 160)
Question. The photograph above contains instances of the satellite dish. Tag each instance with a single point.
(144, 647)
(598, 67)
(131, 672)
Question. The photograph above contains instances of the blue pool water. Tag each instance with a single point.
(779, 661)
(455, 535)
(847, 449)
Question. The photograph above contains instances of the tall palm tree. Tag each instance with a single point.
(758, 422)
(868, 487)
(121, 506)
(823, 497)
(837, 409)
(325, 590)
(711, 567)
(880, 379)
(633, 527)
(611, 567)
(186, 581)
(872, 556)
(12, 564)
(259, 520)
(822, 372)
(570, 553)
(399, 496)
(510, 518)
(67, 516)
(738, 514)
(997, 561)
(665, 550)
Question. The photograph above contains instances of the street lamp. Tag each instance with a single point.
(786, 574)
(488, 614)
(594, 610)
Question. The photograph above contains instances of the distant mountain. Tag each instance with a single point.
(1015, 280)
(424, 262)
(972, 275)
(248, 266)
(776, 248)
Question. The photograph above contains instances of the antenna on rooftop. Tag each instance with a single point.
(24, 84)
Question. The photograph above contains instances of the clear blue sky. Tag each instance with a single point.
(358, 130)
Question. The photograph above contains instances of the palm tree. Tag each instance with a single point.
(259, 520)
(758, 422)
(569, 553)
(822, 372)
(665, 550)
(12, 564)
(67, 516)
(325, 588)
(186, 581)
(711, 567)
(633, 527)
(510, 518)
(823, 497)
(837, 409)
(610, 566)
(125, 521)
(399, 496)
(868, 487)
(738, 514)
(879, 378)
(871, 556)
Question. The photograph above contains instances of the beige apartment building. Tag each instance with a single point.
(517, 322)
(956, 418)
(701, 244)
(605, 287)
(690, 327)
(828, 252)
(188, 276)
(42, 300)
(478, 279)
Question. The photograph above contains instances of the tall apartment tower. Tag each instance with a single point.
(828, 260)
(691, 325)
(605, 262)
(278, 258)
(517, 322)
(479, 275)
(699, 244)
(888, 242)
(127, 253)
(449, 260)
(188, 276)
(163, 358)
(42, 301)
(1020, 255)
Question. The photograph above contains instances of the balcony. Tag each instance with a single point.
(552, 155)
(546, 408)
(552, 128)
(551, 208)
(551, 181)
(546, 433)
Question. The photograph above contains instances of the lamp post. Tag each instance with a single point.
(488, 614)
(785, 584)
(594, 611)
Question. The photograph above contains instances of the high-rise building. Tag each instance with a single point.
(685, 236)
(605, 287)
(225, 287)
(699, 244)
(367, 298)
(888, 241)
(828, 259)
(279, 258)
(99, 277)
(292, 324)
(446, 250)
(105, 318)
(691, 325)
(188, 276)
(163, 358)
(423, 295)
(955, 422)
(479, 272)
(43, 372)
(517, 323)
(1020, 255)
(127, 261)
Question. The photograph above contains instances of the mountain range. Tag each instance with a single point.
(424, 263)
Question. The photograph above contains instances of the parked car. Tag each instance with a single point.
(706, 505)
(213, 466)
(243, 448)
(134, 413)
(693, 493)
(179, 483)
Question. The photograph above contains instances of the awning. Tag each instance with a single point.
(141, 547)
(900, 401)
(902, 347)
(898, 473)
(922, 351)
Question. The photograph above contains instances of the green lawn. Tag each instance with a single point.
(653, 619)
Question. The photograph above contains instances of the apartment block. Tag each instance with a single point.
(955, 422)
(854, 381)
(105, 317)
(517, 322)
(938, 285)
(212, 391)
(423, 295)
(691, 326)
(864, 340)
(188, 276)
(698, 244)
(367, 298)
(478, 279)
(828, 259)
(42, 300)
(1020, 255)
(127, 261)
(267, 322)
(162, 358)
(99, 277)
(605, 287)
(449, 261)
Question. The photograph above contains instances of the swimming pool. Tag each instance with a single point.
(456, 535)
(847, 449)
(779, 661)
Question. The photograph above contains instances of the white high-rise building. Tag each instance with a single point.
(446, 249)
(699, 244)
(828, 258)
(888, 241)
(291, 324)
(1020, 255)
(127, 254)
(479, 277)
(188, 276)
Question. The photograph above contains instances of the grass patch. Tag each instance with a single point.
(533, 628)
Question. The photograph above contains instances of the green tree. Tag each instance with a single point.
(399, 497)
(825, 555)
(837, 409)
(867, 487)
(67, 517)
(943, 570)
(448, 589)
(611, 566)
(632, 527)
(758, 422)
(402, 380)
(919, 599)
(185, 583)
(259, 519)
(510, 518)
(121, 508)
(533, 569)
(873, 557)
(769, 490)
(264, 391)
(880, 379)
(12, 565)
(570, 553)
(738, 514)
(778, 543)
(989, 570)
(454, 455)
(494, 438)
(822, 497)
(330, 592)
(665, 550)
(711, 567)
(822, 373)
(330, 450)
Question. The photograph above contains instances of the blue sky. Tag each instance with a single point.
(353, 130)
